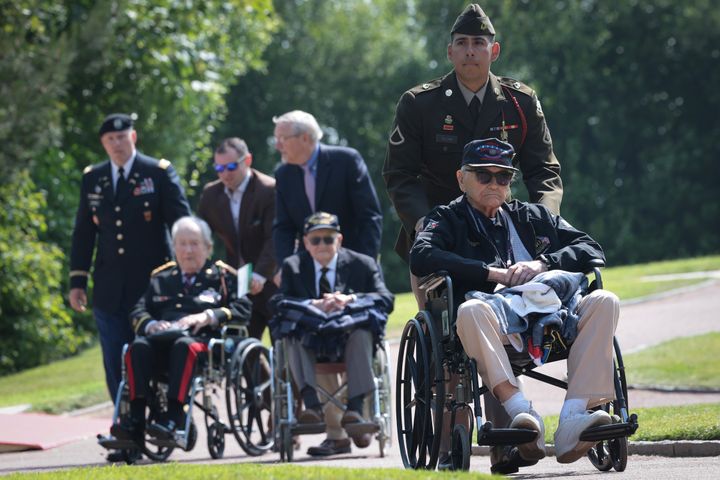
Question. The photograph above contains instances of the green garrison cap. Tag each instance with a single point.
(473, 21)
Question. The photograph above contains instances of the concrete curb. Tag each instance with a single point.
(665, 448)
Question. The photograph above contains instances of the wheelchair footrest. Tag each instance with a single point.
(506, 436)
(608, 432)
(308, 428)
(356, 429)
(112, 443)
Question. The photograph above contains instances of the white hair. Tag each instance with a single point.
(191, 222)
(302, 122)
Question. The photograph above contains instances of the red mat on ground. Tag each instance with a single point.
(36, 431)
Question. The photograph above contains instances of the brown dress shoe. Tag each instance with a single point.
(330, 447)
(310, 416)
(362, 441)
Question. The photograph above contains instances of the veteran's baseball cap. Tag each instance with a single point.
(321, 220)
(489, 152)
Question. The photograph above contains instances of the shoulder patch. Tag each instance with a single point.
(164, 164)
(87, 169)
(426, 87)
(163, 267)
(516, 85)
(225, 266)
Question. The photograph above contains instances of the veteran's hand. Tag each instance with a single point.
(256, 286)
(523, 272)
(78, 299)
(339, 300)
(158, 326)
(196, 321)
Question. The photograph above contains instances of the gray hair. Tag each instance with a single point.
(187, 223)
(302, 122)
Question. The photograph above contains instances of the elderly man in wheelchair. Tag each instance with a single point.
(484, 241)
(186, 304)
(333, 307)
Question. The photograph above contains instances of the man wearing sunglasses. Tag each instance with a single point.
(331, 278)
(483, 240)
(239, 207)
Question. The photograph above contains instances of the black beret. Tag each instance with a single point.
(116, 122)
(321, 220)
(489, 152)
(473, 21)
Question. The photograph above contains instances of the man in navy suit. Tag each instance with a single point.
(317, 177)
(127, 204)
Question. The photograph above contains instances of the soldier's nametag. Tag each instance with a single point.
(453, 139)
(145, 187)
(148, 215)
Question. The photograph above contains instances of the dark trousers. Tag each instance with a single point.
(147, 359)
(260, 310)
(114, 331)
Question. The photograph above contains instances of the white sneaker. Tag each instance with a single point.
(532, 421)
(568, 447)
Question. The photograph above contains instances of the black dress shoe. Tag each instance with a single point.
(132, 431)
(444, 461)
(162, 431)
(330, 447)
(128, 456)
(511, 462)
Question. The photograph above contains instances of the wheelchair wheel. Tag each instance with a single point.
(216, 439)
(249, 397)
(600, 457)
(414, 400)
(383, 417)
(460, 448)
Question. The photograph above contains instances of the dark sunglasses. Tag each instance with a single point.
(231, 167)
(328, 240)
(501, 178)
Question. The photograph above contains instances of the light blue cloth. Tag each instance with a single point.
(569, 288)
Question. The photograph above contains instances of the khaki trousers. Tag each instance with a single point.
(590, 362)
(333, 414)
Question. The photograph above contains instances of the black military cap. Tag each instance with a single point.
(473, 21)
(116, 122)
(319, 220)
(489, 152)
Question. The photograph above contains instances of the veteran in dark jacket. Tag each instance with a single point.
(482, 241)
(185, 304)
(127, 205)
(333, 279)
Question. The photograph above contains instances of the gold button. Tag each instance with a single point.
(178, 305)
(180, 295)
(117, 209)
(119, 236)
(118, 223)
(121, 251)
(147, 204)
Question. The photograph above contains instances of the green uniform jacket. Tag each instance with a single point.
(433, 124)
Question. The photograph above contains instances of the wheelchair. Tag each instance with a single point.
(235, 364)
(285, 403)
(430, 351)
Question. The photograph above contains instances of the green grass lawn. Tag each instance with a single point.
(689, 362)
(243, 471)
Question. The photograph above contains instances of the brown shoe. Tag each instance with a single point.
(310, 416)
(358, 428)
(362, 441)
(330, 447)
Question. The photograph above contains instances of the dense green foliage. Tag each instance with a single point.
(628, 89)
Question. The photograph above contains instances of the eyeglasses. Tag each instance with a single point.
(231, 167)
(328, 240)
(501, 178)
(284, 138)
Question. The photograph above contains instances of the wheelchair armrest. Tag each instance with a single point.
(595, 265)
(430, 282)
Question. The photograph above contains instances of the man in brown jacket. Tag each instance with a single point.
(240, 207)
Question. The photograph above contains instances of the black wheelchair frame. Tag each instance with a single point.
(236, 364)
(430, 351)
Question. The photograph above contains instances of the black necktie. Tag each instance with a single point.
(122, 185)
(324, 285)
(187, 282)
(474, 109)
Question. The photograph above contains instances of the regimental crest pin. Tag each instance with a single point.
(448, 123)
